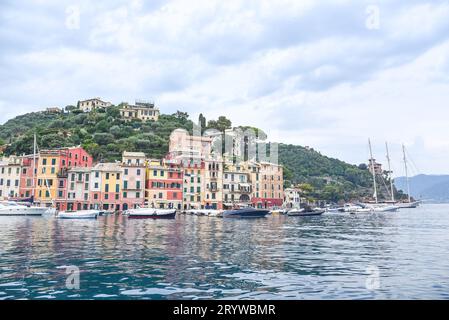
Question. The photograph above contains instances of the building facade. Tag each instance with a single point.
(237, 186)
(10, 172)
(52, 168)
(92, 104)
(78, 188)
(106, 186)
(145, 111)
(133, 181)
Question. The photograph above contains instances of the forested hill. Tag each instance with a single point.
(105, 136)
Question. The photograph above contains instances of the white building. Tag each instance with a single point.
(10, 170)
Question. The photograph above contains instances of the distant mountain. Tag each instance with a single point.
(426, 187)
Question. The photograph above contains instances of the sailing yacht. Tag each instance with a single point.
(409, 203)
(377, 206)
(11, 208)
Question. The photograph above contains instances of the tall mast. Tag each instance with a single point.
(34, 168)
(406, 175)
(373, 171)
(390, 173)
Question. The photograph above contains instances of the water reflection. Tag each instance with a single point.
(200, 257)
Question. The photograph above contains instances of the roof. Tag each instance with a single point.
(134, 154)
(107, 167)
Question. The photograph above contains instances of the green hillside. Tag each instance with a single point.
(105, 136)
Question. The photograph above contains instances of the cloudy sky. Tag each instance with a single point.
(325, 75)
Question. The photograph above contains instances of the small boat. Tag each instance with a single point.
(304, 213)
(246, 213)
(151, 213)
(278, 211)
(81, 214)
(13, 209)
(408, 205)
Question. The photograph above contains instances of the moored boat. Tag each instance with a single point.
(151, 213)
(246, 213)
(305, 213)
(13, 209)
(81, 214)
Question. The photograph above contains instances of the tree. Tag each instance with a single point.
(202, 122)
(221, 124)
(181, 115)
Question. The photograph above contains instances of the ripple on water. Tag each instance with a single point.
(195, 258)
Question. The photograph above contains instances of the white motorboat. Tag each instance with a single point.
(11, 208)
(151, 213)
(81, 214)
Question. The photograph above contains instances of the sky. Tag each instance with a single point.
(324, 74)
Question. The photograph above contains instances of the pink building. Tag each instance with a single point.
(133, 180)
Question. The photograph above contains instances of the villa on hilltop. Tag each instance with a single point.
(142, 110)
(91, 104)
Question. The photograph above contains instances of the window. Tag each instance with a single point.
(175, 195)
(137, 195)
(126, 172)
(95, 196)
(138, 185)
(87, 177)
(53, 170)
(107, 176)
(106, 196)
(162, 173)
(160, 195)
(138, 172)
(86, 186)
(106, 188)
(125, 184)
(118, 176)
(53, 162)
(44, 162)
(72, 178)
(155, 173)
(97, 174)
(125, 195)
(117, 188)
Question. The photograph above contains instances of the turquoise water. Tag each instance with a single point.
(336, 256)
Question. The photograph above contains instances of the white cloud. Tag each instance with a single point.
(306, 72)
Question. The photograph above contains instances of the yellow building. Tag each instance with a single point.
(163, 184)
(142, 110)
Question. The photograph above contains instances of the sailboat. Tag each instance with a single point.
(378, 207)
(409, 203)
(11, 208)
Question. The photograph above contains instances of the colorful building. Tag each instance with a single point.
(51, 170)
(142, 110)
(28, 177)
(164, 184)
(267, 183)
(106, 186)
(133, 180)
(78, 192)
(212, 186)
(10, 171)
(236, 186)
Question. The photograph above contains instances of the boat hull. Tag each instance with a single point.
(306, 213)
(151, 214)
(246, 214)
(88, 214)
(37, 212)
